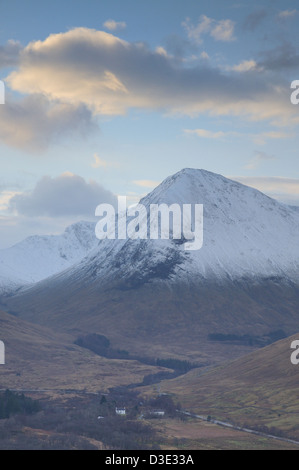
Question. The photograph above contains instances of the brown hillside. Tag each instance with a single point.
(260, 389)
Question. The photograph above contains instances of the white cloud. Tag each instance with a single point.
(64, 196)
(98, 162)
(245, 66)
(205, 133)
(59, 69)
(160, 50)
(113, 75)
(195, 32)
(223, 31)
(204, 55)
(84, 73)
(113, 25)
(287, 14)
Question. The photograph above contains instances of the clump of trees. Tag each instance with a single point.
(164, 403)
(247, 339)
(96, 343)
(181, 367)
(16, 403)
(100, 345)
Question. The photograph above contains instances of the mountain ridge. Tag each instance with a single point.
(239, 236)
(40, 256)
(151, 297)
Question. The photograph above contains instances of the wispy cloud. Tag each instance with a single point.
(223, 30)
(113, 25)
(98, 162)
(220, 30)
(258, 138)
(284, 14)
(262, 137)
(146, 183)
(258, 158)
(244, 66)
(206, 134)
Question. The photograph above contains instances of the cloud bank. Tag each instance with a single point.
(34, 122)
(71, 79)
(63, 196)
(109, 76)
(9, 54)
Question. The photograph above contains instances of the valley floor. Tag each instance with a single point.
(71, 421)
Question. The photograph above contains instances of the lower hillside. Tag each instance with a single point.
(37, 358)
(259, 391)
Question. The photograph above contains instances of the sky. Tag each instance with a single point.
(107, 98)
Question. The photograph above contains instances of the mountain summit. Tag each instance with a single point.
(246, 235)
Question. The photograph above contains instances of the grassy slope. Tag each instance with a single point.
(39, 358)
(155, 321)
(259, 389)
(194, 434)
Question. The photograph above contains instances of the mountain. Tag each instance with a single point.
(38, 257)
(247, 235)
(258, 390)
(153, 297)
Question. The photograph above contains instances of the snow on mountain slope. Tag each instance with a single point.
(246, 235)
(38, 257)
(149, 296)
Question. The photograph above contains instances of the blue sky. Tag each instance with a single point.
(110, 97)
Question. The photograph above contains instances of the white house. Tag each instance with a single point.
(158, 413)
(120, 411)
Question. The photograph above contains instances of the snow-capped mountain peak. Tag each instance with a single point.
(246, 234)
